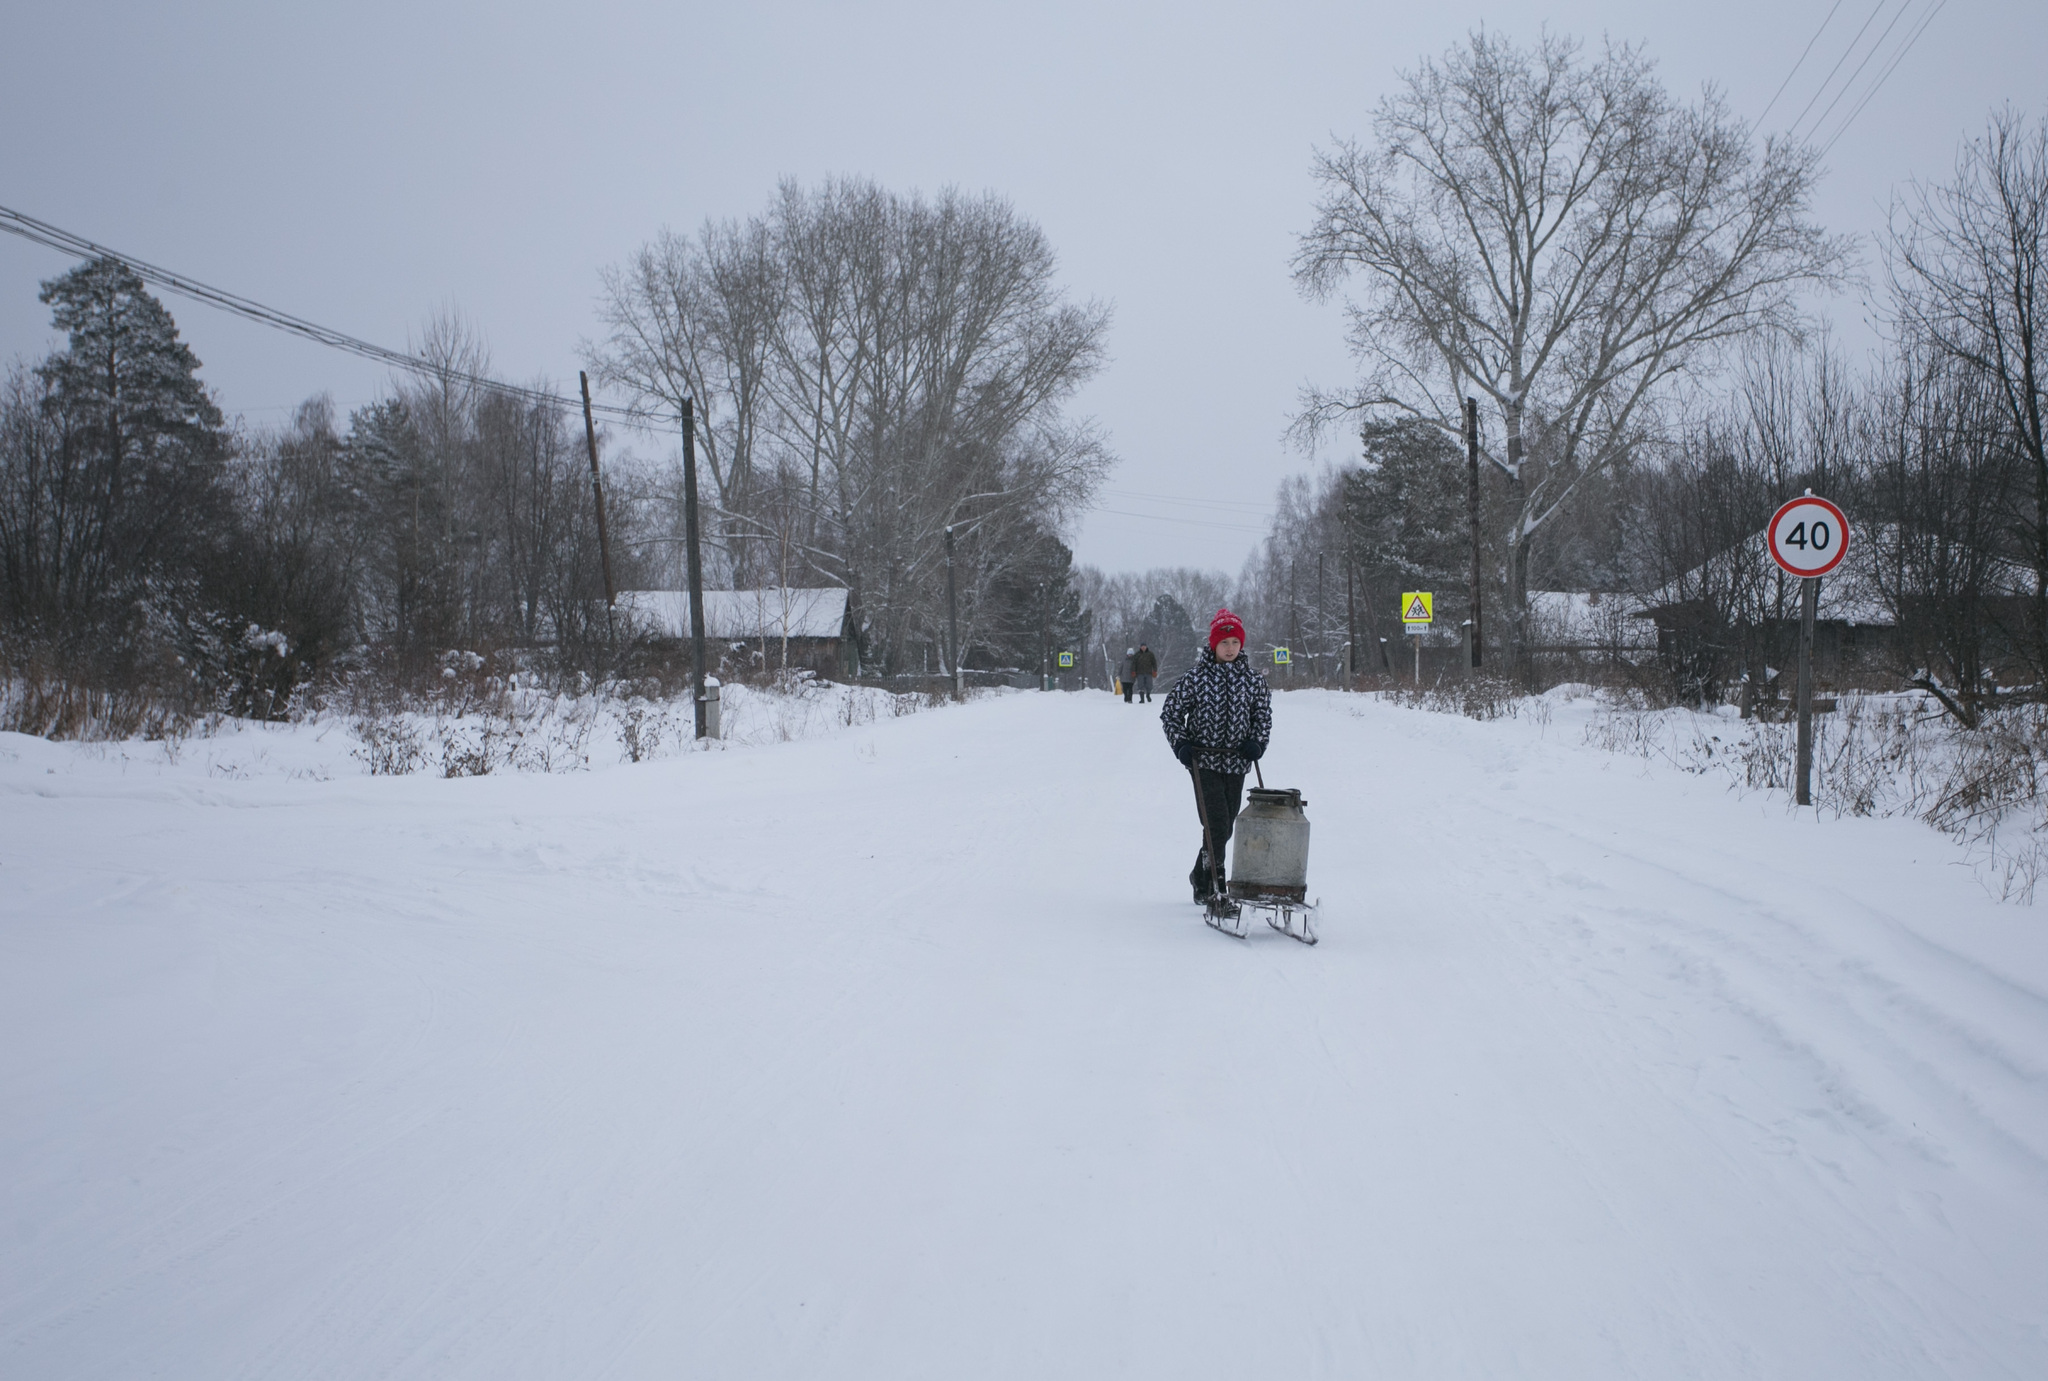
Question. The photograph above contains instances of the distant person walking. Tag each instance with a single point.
(1145, 666)
(1219, 717)
(1128, 672)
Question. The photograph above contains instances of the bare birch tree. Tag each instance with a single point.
(1558, 237)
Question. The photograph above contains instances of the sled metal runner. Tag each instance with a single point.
(1221, 913)
(1286, 911)
(1232, 914)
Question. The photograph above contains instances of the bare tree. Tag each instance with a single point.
(697, 319)
(878, 367)
(1942, 473)
(1559, 237)
(1969, 270)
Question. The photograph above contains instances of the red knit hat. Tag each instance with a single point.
(1225, 625)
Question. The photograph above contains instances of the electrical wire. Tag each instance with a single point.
(1829, 79)
(1802, 59)
(1185, 522)
(43, 233)
(1262, 510)
(1897, 58)
(1848, 85)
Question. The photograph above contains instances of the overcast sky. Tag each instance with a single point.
(364, 165)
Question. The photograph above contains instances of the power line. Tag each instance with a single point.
(1227, 504)
(1796, 66)
(1897, 58)
(43, 233)
(1828, 80)
(1184, 522)
(1875, 48)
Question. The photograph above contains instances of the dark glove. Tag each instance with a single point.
(1184, 749)
(1252, 749)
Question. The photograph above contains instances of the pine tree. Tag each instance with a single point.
(126, 372)
(135, 501)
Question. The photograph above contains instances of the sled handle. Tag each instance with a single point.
(1208, 837)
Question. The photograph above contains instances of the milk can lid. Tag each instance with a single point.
(1278, 796)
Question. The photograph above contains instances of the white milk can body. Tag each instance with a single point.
(1269, 846)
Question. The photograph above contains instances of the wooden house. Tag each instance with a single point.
(753, 630)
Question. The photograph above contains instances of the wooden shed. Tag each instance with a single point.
(753, 630)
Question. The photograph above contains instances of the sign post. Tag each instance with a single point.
(1808, 537)
(1418, 611)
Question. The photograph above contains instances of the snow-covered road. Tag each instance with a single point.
(902, 1053)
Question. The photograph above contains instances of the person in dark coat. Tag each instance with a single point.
(1219, 718)
(1144, 666)
(1128, 673)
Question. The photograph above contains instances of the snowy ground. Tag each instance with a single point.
(900, 1052)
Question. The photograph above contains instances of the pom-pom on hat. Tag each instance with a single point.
(1225, 625)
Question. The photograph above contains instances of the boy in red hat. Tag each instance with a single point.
(1218, 718)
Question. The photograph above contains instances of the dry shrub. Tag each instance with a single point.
(1879, 755)
(1479, 697)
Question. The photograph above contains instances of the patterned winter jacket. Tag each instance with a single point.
(1219, 705)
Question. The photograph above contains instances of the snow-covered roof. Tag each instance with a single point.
(1587, 618)
(733, 614)
(1849, 594)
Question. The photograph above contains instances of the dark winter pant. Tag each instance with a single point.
(1129, 686)
(1144, 690)
(1222, 794)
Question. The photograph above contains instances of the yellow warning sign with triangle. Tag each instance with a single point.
(1416, 606)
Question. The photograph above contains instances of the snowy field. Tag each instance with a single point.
(899, 1051)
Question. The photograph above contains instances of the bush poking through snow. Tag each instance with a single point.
(478, 725)
(1880, 755)
(390, 745)
(1475, 697)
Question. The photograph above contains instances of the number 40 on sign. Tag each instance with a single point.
(1808, 537)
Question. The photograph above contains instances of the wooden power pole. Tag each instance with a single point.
(1350, 624)
(1317, 622)
(696, 560)
(953, 619)
(1472, 518)
(604, 543)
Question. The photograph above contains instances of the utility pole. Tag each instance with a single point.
(1350, 625)
(1293, 618)
(1472, 518)
(1045, 637)
(953, 619)
(696, 560)
(604, 544)
(1319, 619)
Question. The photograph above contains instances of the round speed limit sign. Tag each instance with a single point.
(1808, 536)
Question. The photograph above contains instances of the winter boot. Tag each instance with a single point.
(1198, 878)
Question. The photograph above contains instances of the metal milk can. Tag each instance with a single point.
(1269, 847)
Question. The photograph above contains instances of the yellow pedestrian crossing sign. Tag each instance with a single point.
(1417, 606)
(1066, 659)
